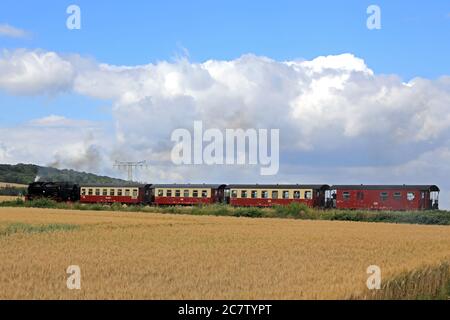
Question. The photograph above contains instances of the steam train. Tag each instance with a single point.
(366, 197)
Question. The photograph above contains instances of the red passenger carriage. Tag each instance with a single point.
(266, 195)
(187, 194)
(126, 194)
(386, 197)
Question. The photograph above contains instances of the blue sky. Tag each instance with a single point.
(413, 41)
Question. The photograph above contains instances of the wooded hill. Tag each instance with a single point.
(26, 173)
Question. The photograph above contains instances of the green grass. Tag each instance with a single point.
(292, 211)
(14, 228)
(435, 217)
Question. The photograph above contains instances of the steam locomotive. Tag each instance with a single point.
(59, 191)
(366, 197)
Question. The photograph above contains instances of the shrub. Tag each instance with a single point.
(294, 210)
(41, 203)
(19, 202)
(216, 210)
(97, 207)
(251, 212)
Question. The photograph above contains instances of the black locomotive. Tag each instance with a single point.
(59, 191)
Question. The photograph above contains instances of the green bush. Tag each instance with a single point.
(19, 202)
(41, 203)
(250, 212)
(215, 210)
(294, 210)
(96, 207)
(13, 203)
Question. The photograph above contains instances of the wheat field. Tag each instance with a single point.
(12, 185)
(9, 198)
(156, 256)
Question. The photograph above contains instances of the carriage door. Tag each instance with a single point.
(360, 199)
(216, 195)
(220, 195)
(226, 196)
(422, 200)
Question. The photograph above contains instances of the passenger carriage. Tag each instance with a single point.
(187, 194)
(126, 194)
(260, 195)
(386, 197)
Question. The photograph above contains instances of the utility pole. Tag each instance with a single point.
(129, 166)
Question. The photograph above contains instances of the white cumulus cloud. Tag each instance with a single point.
(25, 72)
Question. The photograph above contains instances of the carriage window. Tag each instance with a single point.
(244, 194)
(285, 194)
(274, 194)
(119, 192)
(105, 192)
(204, 194)
(254, 194)
(160, 192)
(384, 196)
(135, 192)
(397, 195)
(346, 195)
(234, 193)
(168, 193)
(360, 195)
(83, 192)
(296, 194)
(90, 192)
(195, 193)
(127, 192)
(264, 194)
(308, 195)
(186, 193)
(97, 192)
(177, 193)
(111, 192)
(410, 196)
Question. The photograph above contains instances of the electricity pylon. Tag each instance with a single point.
(129, 166)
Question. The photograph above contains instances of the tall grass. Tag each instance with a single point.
(292, 211)
(432, 282)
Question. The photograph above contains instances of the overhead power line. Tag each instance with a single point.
(130, 166)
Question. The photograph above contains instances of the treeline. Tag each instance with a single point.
(292, 211)
(27, 173)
